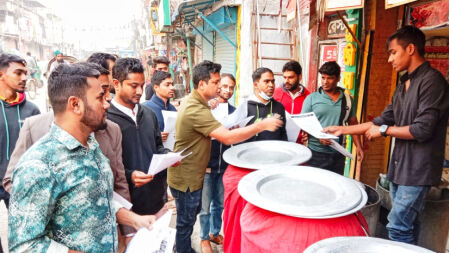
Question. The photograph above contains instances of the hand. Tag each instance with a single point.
(272, 124)
(334, 130)
(141, 221)
(372, 132)
(128, 239)
(176, 164)
(139, 178)
(213, 103)
(304, 137)
(164, 136)
(360, 154)
(325, 142)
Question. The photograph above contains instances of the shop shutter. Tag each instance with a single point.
(224, 51)
(208, 49)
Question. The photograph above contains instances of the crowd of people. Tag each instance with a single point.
(61, 169)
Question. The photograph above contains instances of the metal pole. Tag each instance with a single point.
(189, 56)
(216, 29)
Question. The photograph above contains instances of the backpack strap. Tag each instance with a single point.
(346, 105)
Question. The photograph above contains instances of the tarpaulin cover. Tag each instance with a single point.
(265, 231)
(233, 207)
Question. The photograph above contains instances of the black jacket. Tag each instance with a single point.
(216, 162)
(139, 142)
(261, 111)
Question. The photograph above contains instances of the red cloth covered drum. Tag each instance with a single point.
(265, 231)
(233, 207)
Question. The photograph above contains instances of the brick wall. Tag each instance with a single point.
(379, 87)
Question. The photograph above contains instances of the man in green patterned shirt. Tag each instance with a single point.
(61, 198)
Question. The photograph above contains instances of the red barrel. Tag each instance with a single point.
(265, 231)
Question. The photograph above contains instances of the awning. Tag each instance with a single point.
(187, 9)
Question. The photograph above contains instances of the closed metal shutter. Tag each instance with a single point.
(208, 49)
(224, 51)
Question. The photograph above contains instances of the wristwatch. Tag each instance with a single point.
(383, 130)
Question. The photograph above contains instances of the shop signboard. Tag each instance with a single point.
(338, 5)
(394, 3)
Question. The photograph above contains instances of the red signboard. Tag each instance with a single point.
(330, 53)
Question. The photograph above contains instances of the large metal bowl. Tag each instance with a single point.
(362, 245)
(302, 191)
(267, 154)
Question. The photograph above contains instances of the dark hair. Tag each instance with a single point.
(258, 73)
(6, 59)
(202, 71)
(292, 66)
(409, 35)
(330, 68)
(97, 67)
(69, 80)
(160, 60)
(125, 66)
(28, 53)
(159, 77)
(230, 76)
(101, 59)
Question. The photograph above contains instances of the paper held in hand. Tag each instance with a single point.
(160, 162)
(160, 238)
(310, 124)
(237, 118)
(169, 127)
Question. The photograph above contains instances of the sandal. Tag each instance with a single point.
(216, 239)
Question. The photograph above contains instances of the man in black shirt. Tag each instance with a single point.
(417, 117)
(262, 105)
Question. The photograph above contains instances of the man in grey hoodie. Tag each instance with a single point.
(14, 108)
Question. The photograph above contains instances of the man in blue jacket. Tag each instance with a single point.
(164, 90)
(213, 189)
(162, 84)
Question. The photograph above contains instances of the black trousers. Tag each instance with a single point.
(334, 162)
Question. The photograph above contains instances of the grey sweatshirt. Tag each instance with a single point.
(12, 117)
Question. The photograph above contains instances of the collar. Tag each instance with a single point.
(69, 141)
(159, 101)
(254, 98)
(125, 109)
(14, 101)
(196, 95)
(415, 72)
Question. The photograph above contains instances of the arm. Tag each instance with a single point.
(229, 137)
(120, 183)
(33, 199)
(129, 218)
(23, 143)
(357, 140)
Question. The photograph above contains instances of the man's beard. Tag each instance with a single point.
(60, 61)
(294, 87)
(89, 119)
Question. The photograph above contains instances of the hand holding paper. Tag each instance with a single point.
(160, 162)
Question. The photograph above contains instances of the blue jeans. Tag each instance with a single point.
(188, 205)
(403, 223)
(4, 195)
(212, 205)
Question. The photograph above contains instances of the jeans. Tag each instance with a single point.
(408, 201)
(188, 205)
(212, 205)
(4, 195)
(334, 162)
